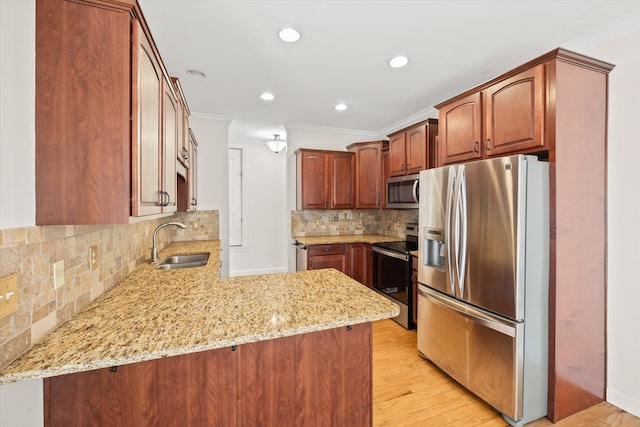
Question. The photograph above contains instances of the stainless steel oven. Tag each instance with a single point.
(392, 271)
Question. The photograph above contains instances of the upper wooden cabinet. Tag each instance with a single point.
(193, 172)
(369, 178)
(325, 179)
(413, 149)
(82, 113)
(107, 120)
(505, 117)
(184, 148)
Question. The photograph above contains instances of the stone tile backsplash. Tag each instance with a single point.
(390, 222)
(31, 252)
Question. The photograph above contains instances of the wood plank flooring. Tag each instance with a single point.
(410, 391)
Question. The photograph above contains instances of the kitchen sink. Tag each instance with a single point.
(184, 261)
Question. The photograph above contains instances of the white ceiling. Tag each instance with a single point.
(342, 56)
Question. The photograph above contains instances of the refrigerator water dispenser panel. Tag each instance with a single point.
(434, 248)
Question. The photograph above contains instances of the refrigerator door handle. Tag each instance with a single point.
(450, 243)
(470, 313)
(462, 255)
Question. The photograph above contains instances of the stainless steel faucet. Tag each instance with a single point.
(154, 249)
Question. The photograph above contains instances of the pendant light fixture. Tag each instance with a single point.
(276, 145)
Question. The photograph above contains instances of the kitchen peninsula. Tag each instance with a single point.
(186, 347)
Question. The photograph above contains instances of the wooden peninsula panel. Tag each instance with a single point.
(321, 378)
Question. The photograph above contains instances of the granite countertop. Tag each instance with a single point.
(155, 313)
(350, 238)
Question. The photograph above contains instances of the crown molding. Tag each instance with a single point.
(361, 133)
(217, 117)
(427, 113)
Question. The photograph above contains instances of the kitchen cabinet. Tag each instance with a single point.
(273, 382)
(554, 106)
(368, 265)
(325, 179)
(413, 149)
(105, 116)
(504, 118)
(369, 179)
(327, 256)
(386, 174)
(193, 171)
(356, 261)
(184, 149)
(353, 259)
(82, 113)
(156, 392)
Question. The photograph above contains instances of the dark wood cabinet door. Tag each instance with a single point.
(355, 261)
(313, 180)
(342, 178)
(368, 176)
(368, 265)
(397, 154)
(460, 126)
(333, 373)
(514, 113)
(416, 149)
(268, 383)
(82, 113)
(192, 389)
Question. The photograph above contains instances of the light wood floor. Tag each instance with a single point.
(410, 391)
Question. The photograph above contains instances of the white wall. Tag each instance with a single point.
(264, 210)
(17, 113)
(212, 134)
(623, 281)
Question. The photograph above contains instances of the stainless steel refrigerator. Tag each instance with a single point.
(483, 275)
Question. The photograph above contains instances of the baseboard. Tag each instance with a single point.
(629, 404)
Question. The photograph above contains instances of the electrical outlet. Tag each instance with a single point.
(93, 257)
(58, 274)
(8, 295)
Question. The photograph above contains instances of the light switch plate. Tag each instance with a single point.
(93, 257)
(8, 295)
(58, 274)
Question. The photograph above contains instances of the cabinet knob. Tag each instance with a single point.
(194, 201)
(475, 147)
(185, 153)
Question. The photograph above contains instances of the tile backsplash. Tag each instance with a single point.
(31, 252)
(390, 222)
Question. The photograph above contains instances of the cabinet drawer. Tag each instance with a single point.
(316, 250)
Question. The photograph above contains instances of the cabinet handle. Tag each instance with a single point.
(194, 201)
(185, 153)
(166, 199)
(486, 144)
(406, 167)
(402, 167)
(475, 147)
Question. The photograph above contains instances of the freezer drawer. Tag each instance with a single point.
(480, 351)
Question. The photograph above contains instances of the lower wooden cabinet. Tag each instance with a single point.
(321, 378)
(195, 389)
(353, 259)
(327, 256)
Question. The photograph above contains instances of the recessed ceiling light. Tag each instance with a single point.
(266, 96)
(289, 35)
(341, 107)
(398, 61)
(196, 74)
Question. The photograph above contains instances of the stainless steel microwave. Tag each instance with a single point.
(402, 192)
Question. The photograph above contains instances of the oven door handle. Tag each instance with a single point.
(392, 254)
